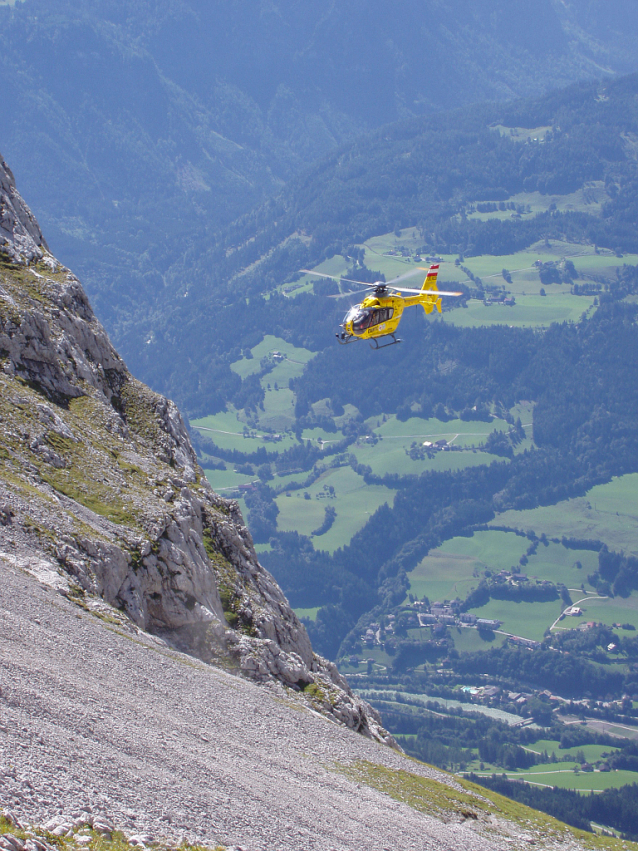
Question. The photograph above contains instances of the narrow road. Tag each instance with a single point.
(582, 600)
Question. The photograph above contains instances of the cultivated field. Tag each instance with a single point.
(564, 776)
(385, 450)
(459, 564)
(529, 311)
(608, 513)
(354, 502)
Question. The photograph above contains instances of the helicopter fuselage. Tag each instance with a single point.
(379, 315)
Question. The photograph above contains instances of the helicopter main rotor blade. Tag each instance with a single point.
(337, 278)
(409, 274)
(345, 295)
(390, 284)
(424, 292)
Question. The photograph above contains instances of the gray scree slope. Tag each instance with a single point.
(91, 715)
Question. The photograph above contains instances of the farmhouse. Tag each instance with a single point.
(441, 610)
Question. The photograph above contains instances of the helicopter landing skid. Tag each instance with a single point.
(385, 345)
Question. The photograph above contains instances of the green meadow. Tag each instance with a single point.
(354, 503)
(387, 457)
(471, 641)
(454, 431)
(607, 513)
(310, 614)
(444, 576)
(592, 753)
(527, 620)
(495, 550)
(385, 450)
(393, 255)
(531, 308)
(457, 567)
(229, 430)
(608, 611)
(563, 776)
(222, 480)
(559, 564)
(279, 409)
(288, 368)
(588, 199)
(389, 454)
(529, 311)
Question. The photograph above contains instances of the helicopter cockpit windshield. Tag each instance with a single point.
(361, 317)
(365, 317)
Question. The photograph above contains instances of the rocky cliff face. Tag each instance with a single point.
(101, 495)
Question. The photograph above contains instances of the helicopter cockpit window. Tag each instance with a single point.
(362, 319)
(367, 317)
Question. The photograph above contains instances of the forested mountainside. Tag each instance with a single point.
(156, 124)
(433, 174)
(426, 172)
(582, 379)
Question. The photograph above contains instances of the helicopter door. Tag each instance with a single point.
(381, 314)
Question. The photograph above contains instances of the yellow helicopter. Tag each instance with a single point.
(380, 312)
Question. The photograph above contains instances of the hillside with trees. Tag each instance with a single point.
(419, 172)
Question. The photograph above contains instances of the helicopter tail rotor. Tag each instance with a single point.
(429, 286)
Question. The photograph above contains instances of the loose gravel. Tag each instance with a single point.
(118, 724)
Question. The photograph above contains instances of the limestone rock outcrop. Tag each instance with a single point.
(102, 495)
(20, 234)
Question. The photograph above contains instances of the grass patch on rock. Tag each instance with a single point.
(465, 801)
(114, 841)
